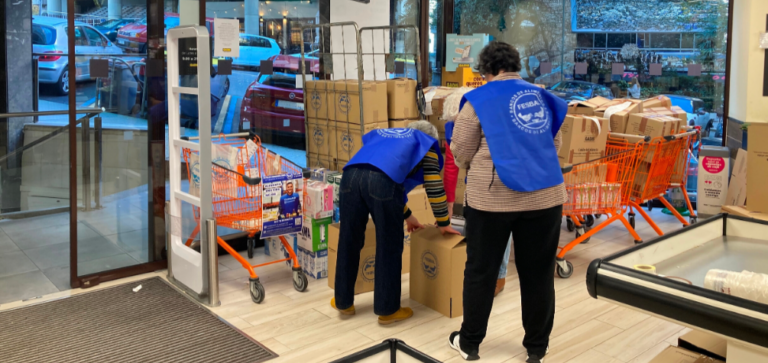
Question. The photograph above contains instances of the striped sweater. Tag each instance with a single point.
(433, 185)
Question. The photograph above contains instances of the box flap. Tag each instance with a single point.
(676, 355)
(704, 343)
(444, 242)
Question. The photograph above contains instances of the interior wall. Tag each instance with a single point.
(375, 13)
(747, 102)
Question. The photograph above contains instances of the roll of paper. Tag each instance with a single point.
(748, 285)
(646, 268)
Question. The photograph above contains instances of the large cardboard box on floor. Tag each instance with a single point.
(679, 355)
(744, 212)
(322, 137)
(588, 107)
(349, 138)
(704, 343)
(652, 125)
(319, 97)
(617, 112)
(584, 139)
(347, 101)
(757, 167)
(401, 99)
(437, 271)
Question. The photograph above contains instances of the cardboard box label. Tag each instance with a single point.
(322, 137)
(347, 101)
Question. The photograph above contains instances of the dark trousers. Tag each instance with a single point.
(367, 190)
(536, 235)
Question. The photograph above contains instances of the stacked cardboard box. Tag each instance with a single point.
(347, 96)
(658, 101)
(673, 111)
(462, 77)
(653, 125)
(401, 99)
(584, 139)
(586, 108)
(439, 95)
(617, 111)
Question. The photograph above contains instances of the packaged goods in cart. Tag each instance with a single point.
(319, 200)
(610, 195)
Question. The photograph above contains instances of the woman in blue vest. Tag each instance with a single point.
(506, 135)
(376, 182)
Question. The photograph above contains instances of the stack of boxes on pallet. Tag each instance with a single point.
(401, 102)
(334, 120)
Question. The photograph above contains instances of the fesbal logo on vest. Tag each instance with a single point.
(395, 133)
(529, 113)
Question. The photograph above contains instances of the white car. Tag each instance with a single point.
(254, 49)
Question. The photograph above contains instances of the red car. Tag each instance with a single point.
(133, 37)
(272, 103)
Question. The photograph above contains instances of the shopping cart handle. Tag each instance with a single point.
(307, 173)
(185, 138)
(567, 169)
(251, 181)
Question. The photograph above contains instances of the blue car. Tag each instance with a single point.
(110, 27)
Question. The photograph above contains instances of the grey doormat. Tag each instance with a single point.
(155, 324)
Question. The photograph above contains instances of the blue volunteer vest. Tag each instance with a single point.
(396, 152)
(449, 131)
(520, 121)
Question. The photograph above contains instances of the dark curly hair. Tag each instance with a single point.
(498, 56)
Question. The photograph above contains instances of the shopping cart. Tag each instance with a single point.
(237, 202)
(598, 187)
(662, 164)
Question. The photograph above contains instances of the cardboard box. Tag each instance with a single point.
(462, 77)
(634, 139)
(314, 264)
(704, 343)
(400, 124)
(586, 108)
(658, 101)
(349, 140)
(583, 139)
(322, 137)
(757, 167)
(744, 212)
(676, 355)
(314, 234)
(652, 125)
(435, 110)
(401, 99)
(347, 101)
(318, 98)
(674, 111)
(619, 119)
(320, 161)
(437, 271)
(273, 247)
(418, 200)
(367, 268)
(737, 188)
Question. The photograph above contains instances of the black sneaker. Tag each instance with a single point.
(533, 358)
(453, 341)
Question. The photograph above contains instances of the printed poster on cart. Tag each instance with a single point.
(281, 204)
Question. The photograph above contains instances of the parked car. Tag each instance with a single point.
(111, 27)
(49, 35)
(580, 90)
(273, 104)
(254, 49)
(133, 37)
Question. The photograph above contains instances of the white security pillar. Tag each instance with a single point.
(252, 17)
(115, 9)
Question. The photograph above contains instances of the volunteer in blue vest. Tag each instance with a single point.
(506, 135)
(376, 181)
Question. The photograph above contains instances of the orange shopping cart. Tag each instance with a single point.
(597, 187)
(662, 164)
(237, 201)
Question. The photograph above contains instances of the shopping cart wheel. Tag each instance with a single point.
(597, 216)
(257, 291)
(580, 231)
(589, 220)
(569, 224)
(632, 220)
(300, 281)
(251, 242)
(694, 219)
(649, 205)
(566, 272)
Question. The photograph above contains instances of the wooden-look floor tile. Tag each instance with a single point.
(275, 346)
(570, 319)
(332, 346)
(579, 340)
(641, 337)
(649, 354)
(285, 324)
(593, 356)
(623, 318)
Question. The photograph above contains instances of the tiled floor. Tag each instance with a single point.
(302, 327)
(34, 252)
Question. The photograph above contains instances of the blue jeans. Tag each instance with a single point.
(505, 261)
(366, 190)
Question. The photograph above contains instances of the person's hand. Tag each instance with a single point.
(448, 230)
(450, 209)
(413, 224)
